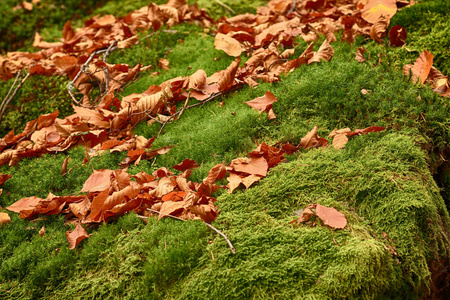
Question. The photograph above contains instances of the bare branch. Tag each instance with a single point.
(7, 99)
(225, 6)
(232, 249)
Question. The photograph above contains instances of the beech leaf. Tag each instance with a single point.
(374, 9)
(227, 44)
(331, 217)
(422, 66)
(4, 218)
(76, 236)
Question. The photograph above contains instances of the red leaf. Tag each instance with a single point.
(186, 164)
(397, 36)
(4, 177)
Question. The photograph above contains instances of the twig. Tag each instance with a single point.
(232, 249)
(223, 235)
(7, 100)
(292, 8)
(225, 6)
(156, 32)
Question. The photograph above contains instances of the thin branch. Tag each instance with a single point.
(294, 4)
(6, 101)
(232, 249)
(225, 6)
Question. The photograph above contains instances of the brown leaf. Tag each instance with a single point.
(4, 177)
(379, 28)
(422, 67)
(27, 5)
(26, 205)
(42, 231)
(171, 208)
(331, 217)
(197, 80)
(4, 218)
(254, 165)
(397, 36)
(360, 54)
(366, 130)
(64, 166)
(217, 172)
(227, 44)
(91, 116)
(80, 209)
(234, 180)
(163, 64)
(76, 236)
(306, 214)
(312, 140)
(374, 9)
(186, 164)
(339, 141)
(227, 78)
(98, 181)
(263, 103)
(128, 43)
(325, 53)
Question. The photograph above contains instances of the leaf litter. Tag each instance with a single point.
(106, 122)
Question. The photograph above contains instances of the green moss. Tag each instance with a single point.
(381, 185)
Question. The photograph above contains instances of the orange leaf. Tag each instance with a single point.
(325, 53)
(217, 172)
(263, 103)
(306, 214)
(91, 116)
(227, 77)
(249, 180)
(374, 9)
(171, 208)
(99, 181)
(207, 213)
(379, 28)
(227, 44)
(128, 43)
(234, 180)
(186, 164)
(312, 140)
(254, 165)
(339, 141)
(80, 209)
(163, 64)
(197, 80)
(331, 217)
(4, 177)
(76, 236)
(422, 66)
(24, 204)
(4, 218)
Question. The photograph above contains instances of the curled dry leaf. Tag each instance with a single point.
(227, 44)
(163, 64)
(186, 165)
(325, 53)
(98, 181)
(128, 43)
(312, 140)
(227, 77)
(42, 231)
(217, 172)
(397, 36)
(378, 29)
(306, 214)
(3, 178)
(197, 80)
(4, 218)
(76, 236)
(422, 66)
(64, 166)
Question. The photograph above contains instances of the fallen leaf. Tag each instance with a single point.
(312, 140)
(4, 218)
(227, 78)
(42, 231)
(331, 217)
(263, 103)
(217, 172)
(98, 181)
(254, 165)
(422, 67)
(325, 53)
(163, 64)
(76, 236)
(64, 166)
(4, 177)
(378, 30)
(186, 164)
(374, 9)
(397, 36)
(227, 44)
(306, 214)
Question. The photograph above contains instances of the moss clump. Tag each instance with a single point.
(381, 184)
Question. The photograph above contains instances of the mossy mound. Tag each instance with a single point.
(398, 224)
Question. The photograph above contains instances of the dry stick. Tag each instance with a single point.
(71, 84)
(6, 101)
(225, 6)
(292, 8)
(232, 249)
